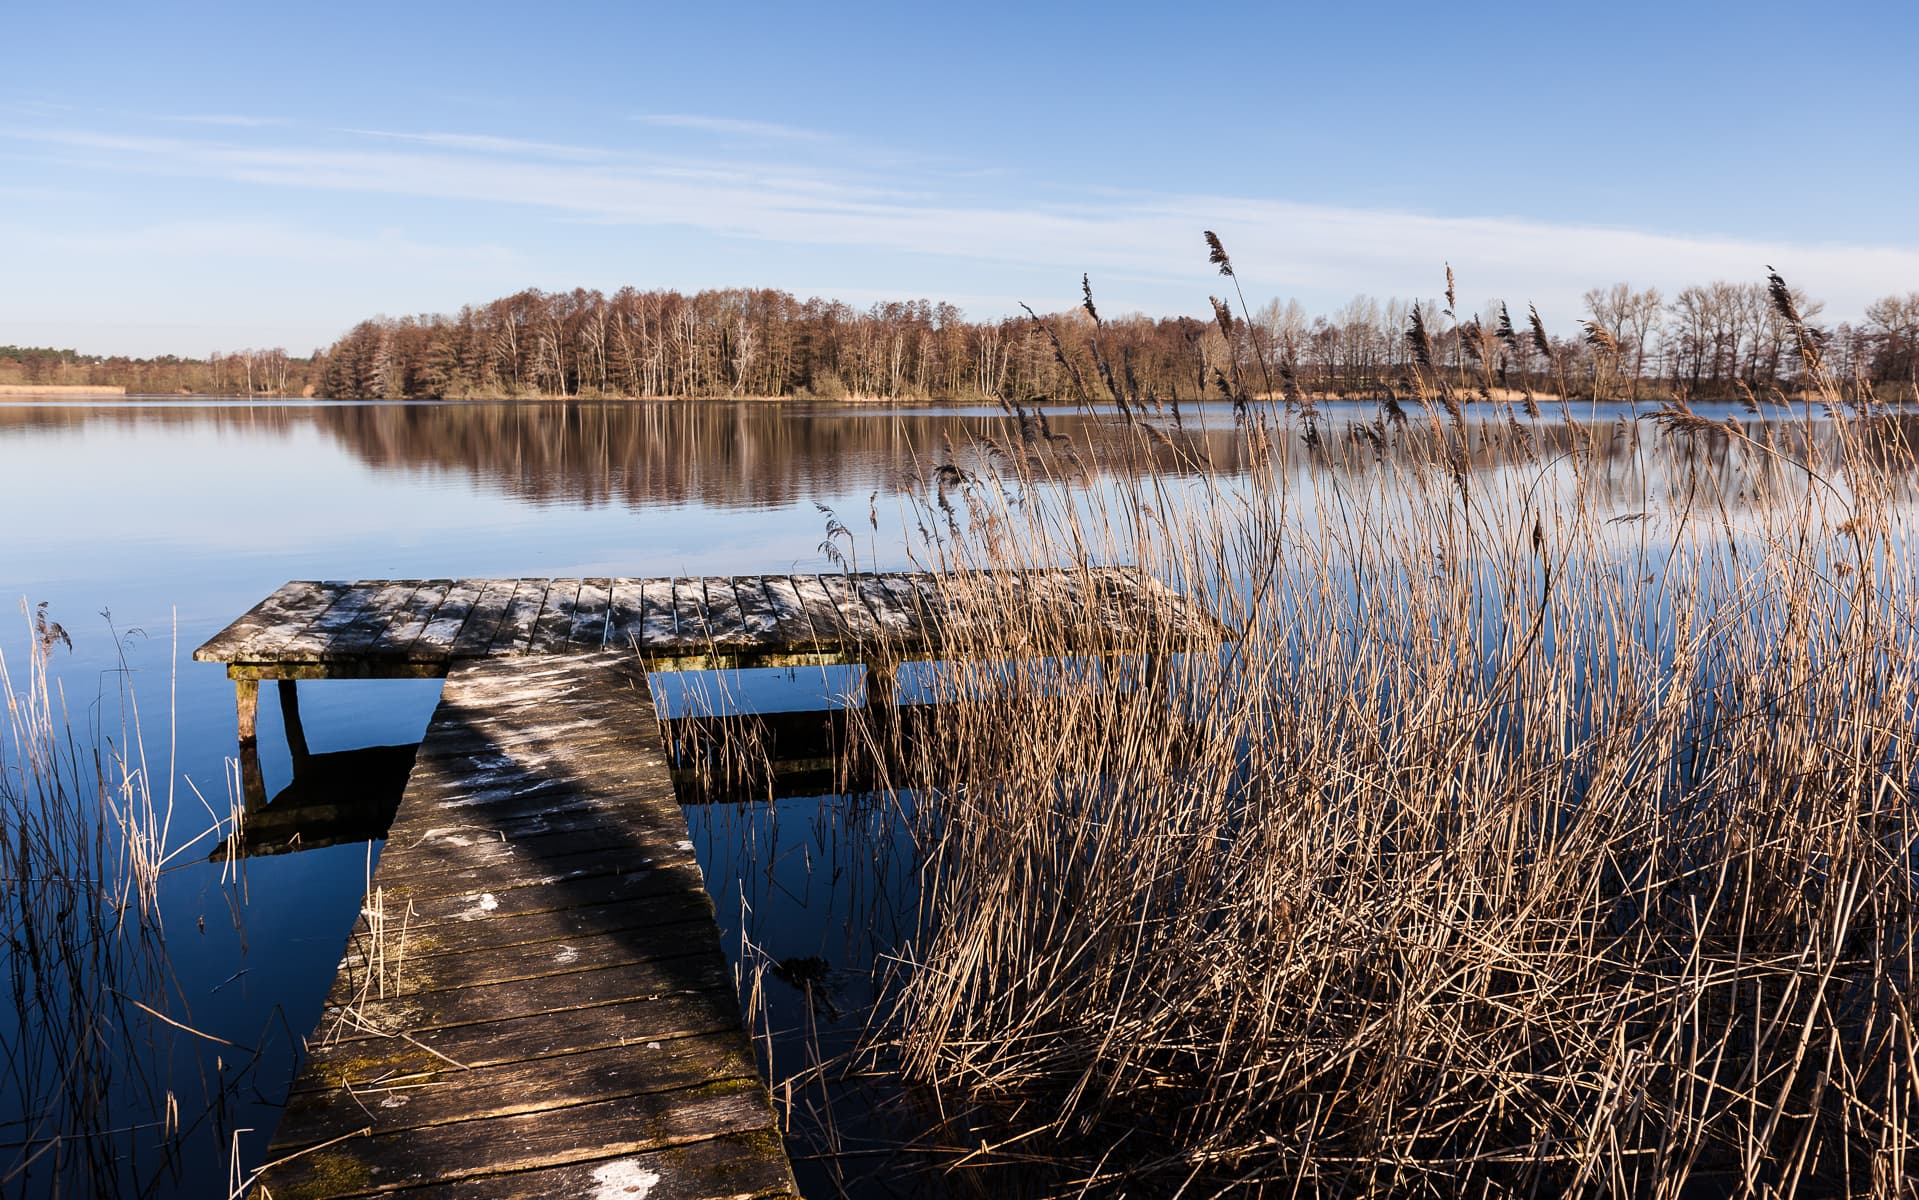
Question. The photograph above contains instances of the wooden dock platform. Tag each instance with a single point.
(535, 1001)
(412, 628)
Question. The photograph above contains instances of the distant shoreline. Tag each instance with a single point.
(67, 392)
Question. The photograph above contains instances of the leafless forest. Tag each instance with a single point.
(1712, 341)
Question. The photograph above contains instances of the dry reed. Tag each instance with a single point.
(84, 838)
(1545, 827)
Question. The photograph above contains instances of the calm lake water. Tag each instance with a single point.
(149, 526)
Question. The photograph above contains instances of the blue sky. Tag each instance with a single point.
(190, 177)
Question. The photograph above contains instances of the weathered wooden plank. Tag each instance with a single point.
(689, 614)
(517, 795)
(518, 891)
(582, 1133)
(589, 614)
(624, 615)
(452, 1001)
(954, 605)
(444, 1094)
(760, 625)
(829, 628)
(789, 609)
(854, 616)
(351, 642)
(351, 602)
(659, 627)
(475, 846)
(352, 668)
(500, 778)
(483, 622)
(908, 600)
(898, 624)
(291, 605)
(731, 1166)
(724, 622)
(519, 1039)
(515, 634)
(555, 625)
(397, 639)
(566, 998)
(557, 924)
(428, 968)
(313, 601)
(437, 639)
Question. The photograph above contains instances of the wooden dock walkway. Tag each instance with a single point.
(535, 1001)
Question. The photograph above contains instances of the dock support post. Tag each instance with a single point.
(882, 707)
(246, 699)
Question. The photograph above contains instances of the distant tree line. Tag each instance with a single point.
(1712, 341)
(1708, 341)
(242, 373)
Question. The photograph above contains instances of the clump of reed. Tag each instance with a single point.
(1545, 824)
(87, 1106)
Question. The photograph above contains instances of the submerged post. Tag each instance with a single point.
(290, 720)
(881, 700)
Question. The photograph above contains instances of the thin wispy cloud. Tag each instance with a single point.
(733, 127)
(255, 241)
(486, 144)
(226, 120)
(1143, 244)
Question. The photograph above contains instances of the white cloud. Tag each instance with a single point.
(227, 120)
(486, 144)
(731, 127)
(257, 241)
(1143, 248)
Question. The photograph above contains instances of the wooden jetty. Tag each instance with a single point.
(534, 1001)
